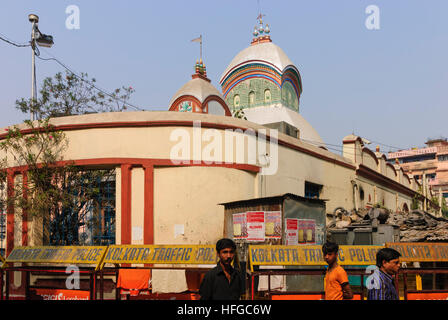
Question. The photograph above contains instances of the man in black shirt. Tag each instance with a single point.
(223, 282)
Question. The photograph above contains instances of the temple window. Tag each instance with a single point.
(267, 95)
(236, 100)
(251, 98)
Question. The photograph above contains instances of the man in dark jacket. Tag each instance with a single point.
(223, 282)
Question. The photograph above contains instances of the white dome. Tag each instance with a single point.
(272, 114)
(198, 88)
(266, 52)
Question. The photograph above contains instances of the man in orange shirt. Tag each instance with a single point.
(336, 280)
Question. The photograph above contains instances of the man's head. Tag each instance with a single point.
(387, 260)
(226, 249)
(330, 251)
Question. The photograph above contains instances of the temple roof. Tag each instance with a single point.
(266, 52)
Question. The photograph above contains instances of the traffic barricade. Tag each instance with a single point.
(296, 259)
(429, 253)
(196, 259)
(54, 260)
(306, 260)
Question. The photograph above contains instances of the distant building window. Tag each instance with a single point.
(236, 100)
(443, 158)
(267, 95)
(251, 98)
(312, 190)
(418, 158)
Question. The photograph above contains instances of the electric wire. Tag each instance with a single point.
(37, 53)
(84, 80)
(4, 38)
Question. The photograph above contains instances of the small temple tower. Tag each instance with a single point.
(199, 95)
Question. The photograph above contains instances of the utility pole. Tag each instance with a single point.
(34, 19)
(37, 38)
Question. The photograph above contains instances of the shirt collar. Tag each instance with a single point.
(389, 277)
(220, 269)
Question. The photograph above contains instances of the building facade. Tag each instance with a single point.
(427, 165)
(173, 168)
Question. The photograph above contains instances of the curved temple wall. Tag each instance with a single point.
(162, 201)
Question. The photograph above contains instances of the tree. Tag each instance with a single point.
(239, 113)
(443, 205)
(73, 95)
(66, 198)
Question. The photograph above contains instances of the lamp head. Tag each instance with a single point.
(33, 18)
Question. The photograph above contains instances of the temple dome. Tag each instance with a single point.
(199, 95)
(266, 52)
(198, 88)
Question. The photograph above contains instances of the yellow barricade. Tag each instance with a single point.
(420, 251)
(64, 255)
(161, 254)
(309, 255)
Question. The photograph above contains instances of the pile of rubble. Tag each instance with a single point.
(418, 225)
(415, 226)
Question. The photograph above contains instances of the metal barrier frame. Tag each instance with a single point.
(350, 271)
(115, 270)
(271, 272)
(46, 271)
(406, 271)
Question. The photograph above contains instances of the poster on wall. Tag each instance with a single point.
(307, 231)
(255, 225)
(239, 226)
(292, 232)
(273, 221)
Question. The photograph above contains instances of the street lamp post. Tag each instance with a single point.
(43, 40)
(34, 19)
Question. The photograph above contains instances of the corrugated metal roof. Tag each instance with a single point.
(277, 198)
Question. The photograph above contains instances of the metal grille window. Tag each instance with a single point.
(90, 217)
(312, 190)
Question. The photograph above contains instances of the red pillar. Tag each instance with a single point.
(10, 212)
(24, 211)
(126, 193)
(148, 229)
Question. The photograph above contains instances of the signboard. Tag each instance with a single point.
(251, 225)
(273, 227)
(292, 232)
(65, 254)
(239, 226)
(255, 225)
(311, 255)
(307, 231)
(59, 294)
(421, 252)
(161, 254)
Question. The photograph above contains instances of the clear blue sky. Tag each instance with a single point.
(388, 85)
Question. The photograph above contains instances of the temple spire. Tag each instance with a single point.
(199, 39)
(261, 32)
